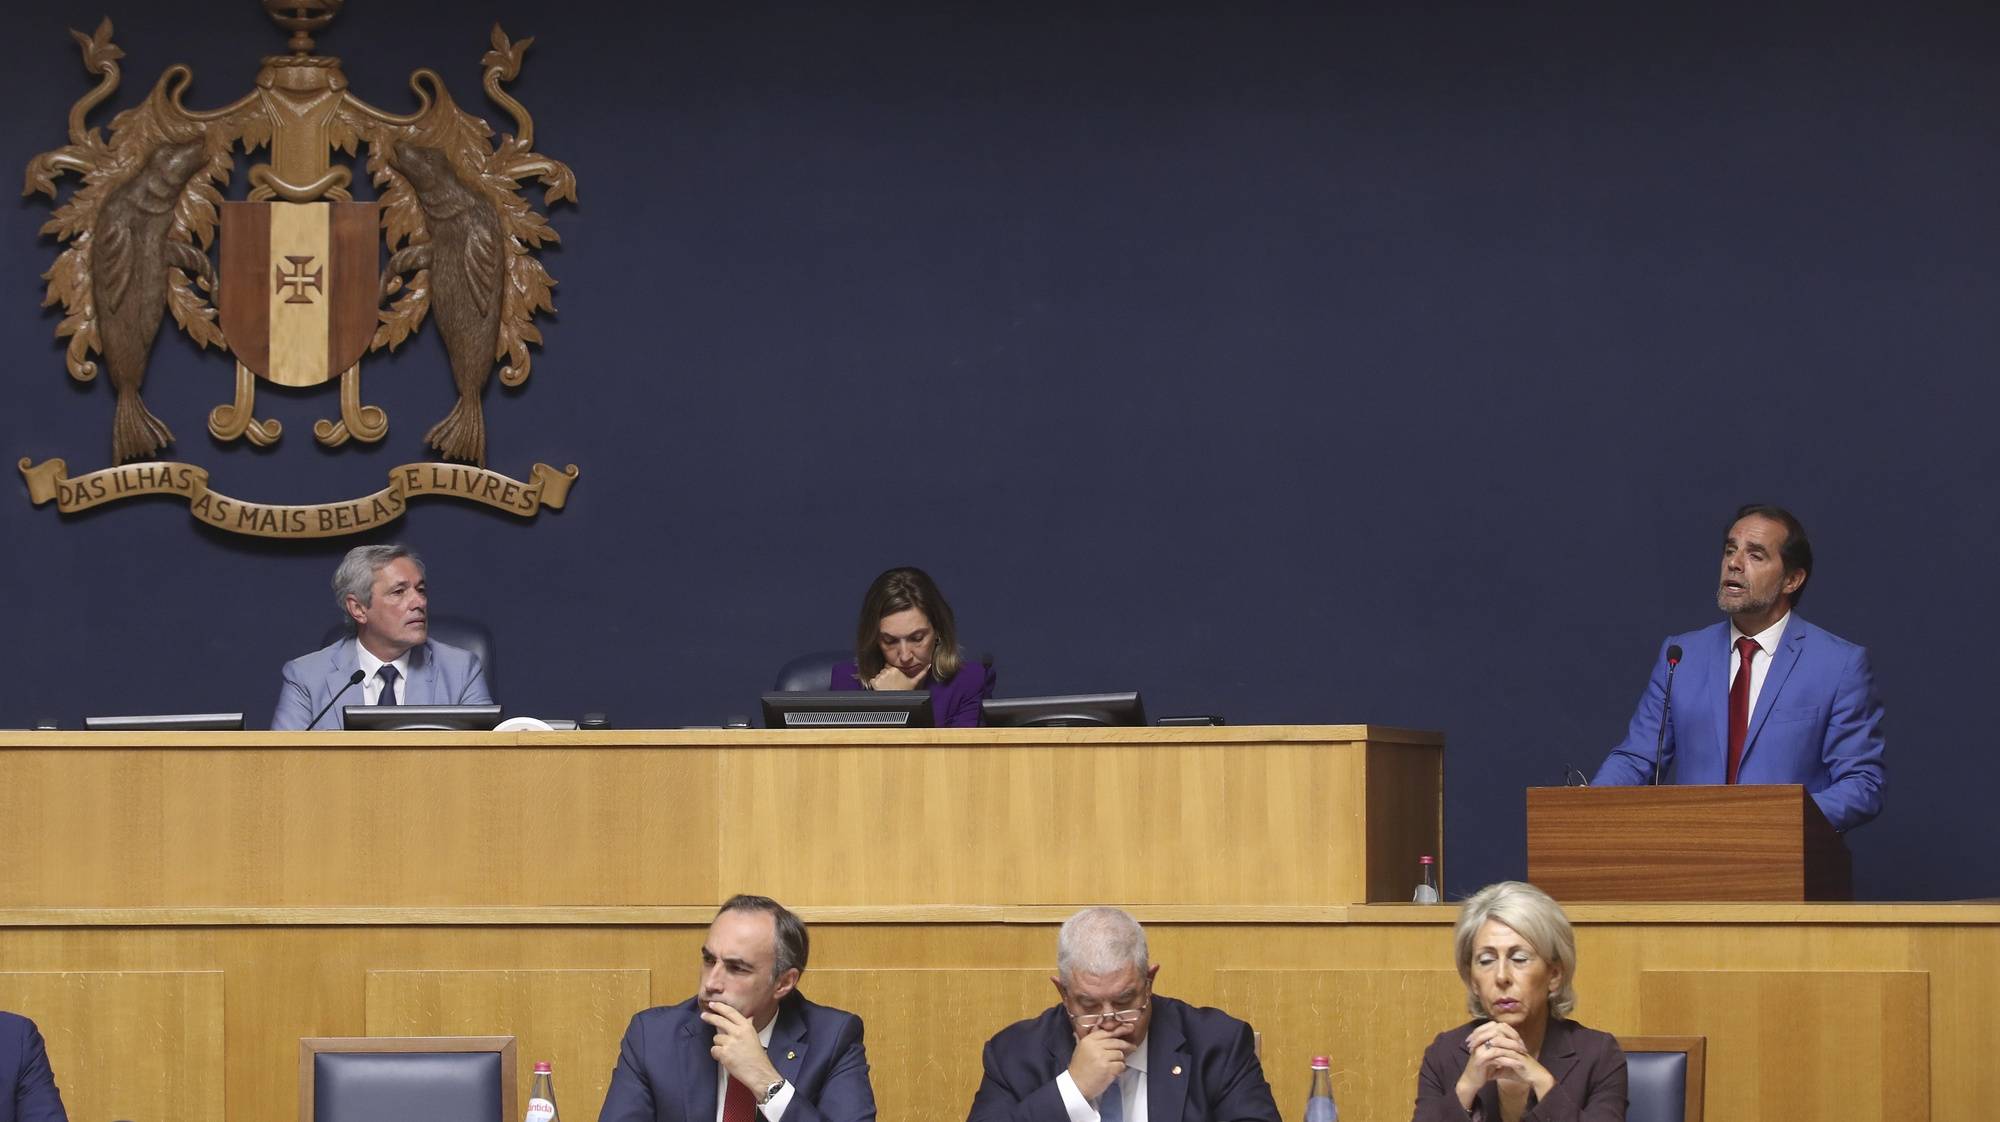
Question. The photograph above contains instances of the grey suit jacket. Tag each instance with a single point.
(440, 674)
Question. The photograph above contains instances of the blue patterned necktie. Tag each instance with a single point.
(1111, 1104)
(388, 676)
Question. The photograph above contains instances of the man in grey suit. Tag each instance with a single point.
(381, 592)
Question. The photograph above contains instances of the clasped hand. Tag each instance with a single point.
(1497, 1052)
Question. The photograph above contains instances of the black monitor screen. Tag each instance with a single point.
(1065, 711)
(848, 709)
(400, 718)
(167, 722)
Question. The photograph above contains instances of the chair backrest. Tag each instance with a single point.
(812, 671)
(456, 631)
(437, 1078)
(1664, 1076)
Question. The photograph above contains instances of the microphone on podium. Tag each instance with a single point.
(356, 680)
(1666, 711)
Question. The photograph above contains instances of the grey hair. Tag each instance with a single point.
(1534, 916)
(356, 575)
(1099, 941)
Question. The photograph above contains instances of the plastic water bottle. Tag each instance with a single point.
(1319, 1100)
(542, 1095)
(1427, 881)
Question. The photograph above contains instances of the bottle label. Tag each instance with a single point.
(541, 1110)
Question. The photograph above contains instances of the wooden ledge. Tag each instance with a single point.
(725, 738)
(1974, 914)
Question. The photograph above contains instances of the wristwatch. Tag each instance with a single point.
(770, 1093)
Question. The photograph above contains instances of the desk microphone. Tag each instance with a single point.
(1666, 712)
(359, 674)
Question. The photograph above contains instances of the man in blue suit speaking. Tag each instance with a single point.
(747, 1047)
(381, 590)
(1115, 1051)
(1764, 696)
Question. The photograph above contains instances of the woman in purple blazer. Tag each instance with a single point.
(1523, 1059)
(907, 639)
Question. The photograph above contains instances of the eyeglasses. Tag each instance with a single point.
(1122, 1016)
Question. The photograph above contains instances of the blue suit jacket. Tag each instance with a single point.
(665, 1073)
(954, 704)
(24, 1074)
(1817, 722)
(1201, 1066)
(440, 674)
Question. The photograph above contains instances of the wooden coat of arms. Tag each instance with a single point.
(297, 290)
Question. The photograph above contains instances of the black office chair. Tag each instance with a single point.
(1664, 1076)
(457, 631)
(813, 671)
(810, 672)
(437, 1078)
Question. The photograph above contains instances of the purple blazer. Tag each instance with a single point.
(954, 704)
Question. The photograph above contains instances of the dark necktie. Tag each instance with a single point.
(1739, 705)
(1111, 1104)
(388, 676)
(738, 1104)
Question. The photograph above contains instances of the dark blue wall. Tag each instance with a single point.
(1390, 363)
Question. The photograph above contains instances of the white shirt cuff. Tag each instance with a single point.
(1079, 1107)
(775, 1109)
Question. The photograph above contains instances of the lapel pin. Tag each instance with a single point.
(791, 1055)
(1177, 1069)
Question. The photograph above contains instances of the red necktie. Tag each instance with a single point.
(1739, 705)
(738, 1104)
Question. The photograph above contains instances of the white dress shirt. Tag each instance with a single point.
(371, 686)
(1760, 661)
(772, 1111)
(1131, 1085)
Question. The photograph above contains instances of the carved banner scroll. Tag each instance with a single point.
(299, 281)
(50, 481)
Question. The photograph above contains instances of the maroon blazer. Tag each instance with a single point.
(954, 704)
(1589, 1071)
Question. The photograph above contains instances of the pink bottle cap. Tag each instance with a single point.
(1322, 1061)
(1426, 860)
(542, 1068)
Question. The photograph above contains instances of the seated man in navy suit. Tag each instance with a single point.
(27, 1087)
(381, 591)
(1763, 696)
(1115, 1051)
(748, 1047)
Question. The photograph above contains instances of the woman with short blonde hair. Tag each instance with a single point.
(1522, 1057)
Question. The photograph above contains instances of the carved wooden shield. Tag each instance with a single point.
(299, 287)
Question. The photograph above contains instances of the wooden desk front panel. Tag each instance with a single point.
(1226, 816)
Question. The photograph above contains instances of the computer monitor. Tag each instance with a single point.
(848, 709)
(1065, 710)
(411, 718)
(167, 722)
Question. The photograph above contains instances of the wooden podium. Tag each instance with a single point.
(1684, 843)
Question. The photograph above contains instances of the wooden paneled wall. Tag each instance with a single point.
(1853, 1012)
(178, 910)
